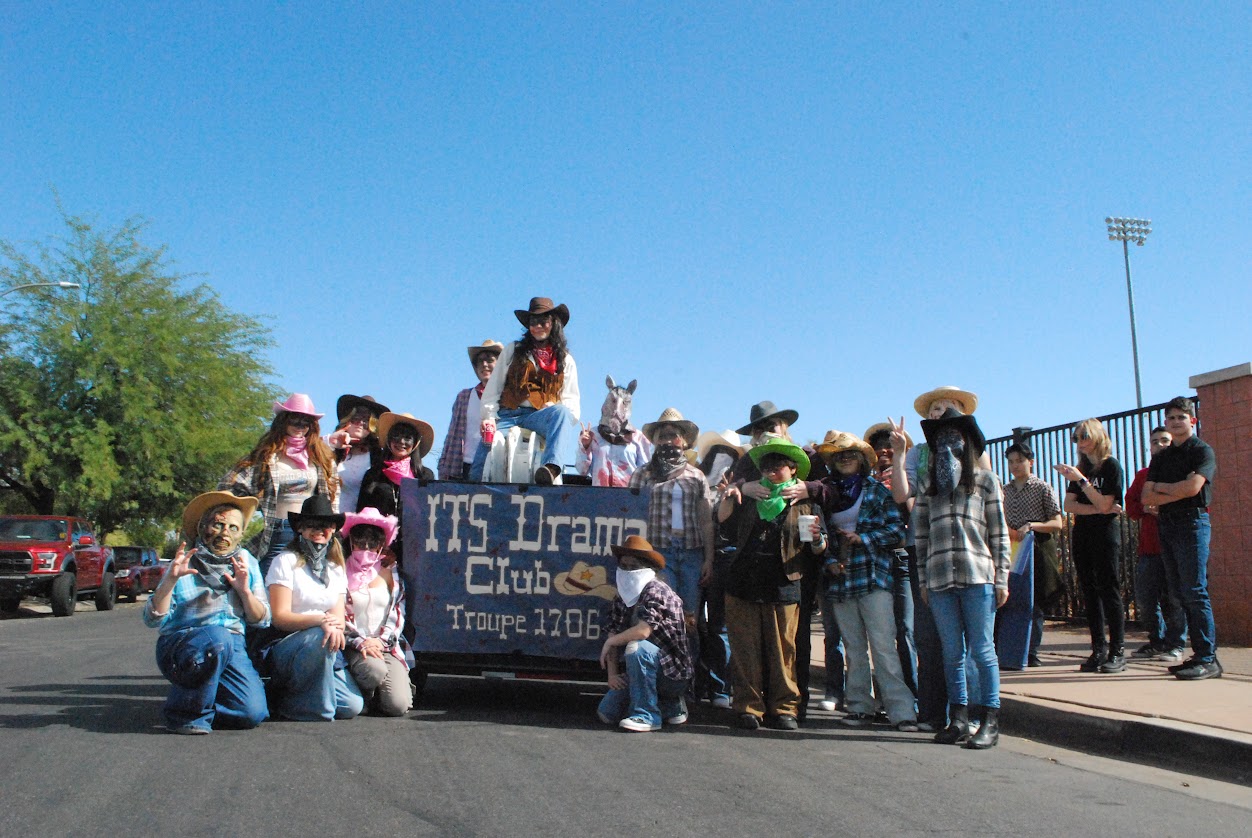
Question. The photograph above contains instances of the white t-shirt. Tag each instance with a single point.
(308, 595)
(351, 472)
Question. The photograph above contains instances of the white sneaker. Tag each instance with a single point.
(722, 701)
(827, 704)
(637, 725)
(679, 719)
(1171, 655)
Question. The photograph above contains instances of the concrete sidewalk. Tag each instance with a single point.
(1143, 714)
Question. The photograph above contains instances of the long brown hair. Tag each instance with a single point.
(275, 440)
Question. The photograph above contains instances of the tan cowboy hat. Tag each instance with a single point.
(542, 305)
(202, 503)
(489, 345)
(425, 433)
(879, 427)
(671, 416)
(967, 400)
(640, 548)
(585, 580)
(837, 441)
(727, 439)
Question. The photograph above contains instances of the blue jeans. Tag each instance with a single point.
(682, 572)
(1185, 550)
(965, 617)
(650, 694)
(715, 645)
(554, 423)
(835, 678)
(283, 534)
(1159, 607)
(308, 683)
(212, 680)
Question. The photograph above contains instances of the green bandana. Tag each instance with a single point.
(772, 506)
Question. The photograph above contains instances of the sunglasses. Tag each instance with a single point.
(300, 421)
(1080, 436)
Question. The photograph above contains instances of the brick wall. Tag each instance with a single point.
(1226, 424)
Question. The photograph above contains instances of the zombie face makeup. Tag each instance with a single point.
(949, 447)
(222, 531)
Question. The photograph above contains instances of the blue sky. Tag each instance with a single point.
(831, 206)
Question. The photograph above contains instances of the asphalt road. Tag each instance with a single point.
(82, 752)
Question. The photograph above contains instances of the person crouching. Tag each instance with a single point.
(646, 653)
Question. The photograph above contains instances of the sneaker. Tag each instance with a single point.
(857, 720)
(747, 721)
(189, 730)
(1178, 667)
(722, 701)
(908, 726)
(637, 725)
(881, 718)
(827, 704)
(785, 721)
(1171, 655)
(1115, 663)
(678, 718)
(1147, 650)
(1200, 671)
(1093, 663)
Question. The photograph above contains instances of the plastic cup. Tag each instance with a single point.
(805, 523)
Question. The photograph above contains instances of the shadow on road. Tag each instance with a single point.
(109, 704)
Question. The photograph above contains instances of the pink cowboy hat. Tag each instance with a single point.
(297, 403)
(369, 515)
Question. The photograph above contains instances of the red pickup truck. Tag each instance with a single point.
(138, 571)
(55, 557)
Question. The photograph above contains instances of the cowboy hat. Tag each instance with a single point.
(967, 400)
(766, 410)
(640, 548)
(837, 441)
(963, 422)
(671, 416)
(202, 503)
(789, 450)
(879, 427)
(297, 403)
(372, 517)
(585, 580)
(542, 305)
(489, 345)
(425, 433)
(348, 403)
(725, 439)
(315, 510)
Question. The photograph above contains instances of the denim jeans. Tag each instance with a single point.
(1185, 549)
(868, 626)
(212, 680)
(715, 644)
(682, 572)
(902, 594)
(649, 694)
(1158, 604)
(932, 684)
(555, 423)
(835, 679)
(283, 534)
(308, 683)
(965, 617)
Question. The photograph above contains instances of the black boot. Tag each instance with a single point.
(958, 727)
(989, 732)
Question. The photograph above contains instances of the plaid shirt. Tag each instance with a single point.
(697, 505)
(1036, 501)
(192, 606)
(453, 455)
(867, 565)
(390, 630)
(244, 482)
(962, 539)
(662, 610)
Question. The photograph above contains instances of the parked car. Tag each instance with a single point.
(139, 569)
(55, 557)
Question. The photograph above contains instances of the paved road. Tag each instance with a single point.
(83, 754)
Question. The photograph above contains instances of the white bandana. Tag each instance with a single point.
(630, 583)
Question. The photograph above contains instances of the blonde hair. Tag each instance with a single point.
(1102, 445)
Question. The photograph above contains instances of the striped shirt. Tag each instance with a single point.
(697, 509)
(962, 539)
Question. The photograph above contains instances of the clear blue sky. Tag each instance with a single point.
(832, 206)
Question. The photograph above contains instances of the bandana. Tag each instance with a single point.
(396, 469)
(314, 558)
(630, 584)
(363, 568)
(773, 506)
(666, 462)
(947, 454)
(847, 490)
(545, 359)
(297, 450)
(212, 569)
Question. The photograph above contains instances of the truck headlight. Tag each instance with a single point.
(45, 561)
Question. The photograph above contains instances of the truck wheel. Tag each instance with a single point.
(106, 594)
(63, 595)
(9, 605)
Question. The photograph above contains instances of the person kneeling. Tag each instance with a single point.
(646, 653)
(201, 606)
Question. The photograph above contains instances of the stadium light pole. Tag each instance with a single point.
(1127, 230)
(65, 285)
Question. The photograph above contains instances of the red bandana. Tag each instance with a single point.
(546, 359)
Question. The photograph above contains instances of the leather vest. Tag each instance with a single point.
(526, 383)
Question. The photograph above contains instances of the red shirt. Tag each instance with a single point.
(1149, 537)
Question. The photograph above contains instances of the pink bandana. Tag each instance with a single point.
(297, 450)
(362, 567)
(396, 469)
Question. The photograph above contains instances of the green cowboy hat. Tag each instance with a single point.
(789, 450)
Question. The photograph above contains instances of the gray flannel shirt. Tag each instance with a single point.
(962, 539)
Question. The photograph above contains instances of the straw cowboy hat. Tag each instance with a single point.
(967, 400)
(372, 517)
(425, 433)
(203, 503)
(492, 346)
(766, 410)
(542, 305)
(640, 548)
(348, 403)
(837, 441)
(314, 511)
(879, 427)
(671, 416)
(297, 403)
(789, 450)
(585, 580)
(963, 422)
(724, 439)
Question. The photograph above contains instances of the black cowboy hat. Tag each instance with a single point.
(348, 403)
(315, 510)
(766, 410)
(963, 422)
(542, 305)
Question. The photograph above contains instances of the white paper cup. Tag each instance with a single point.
(805, 523)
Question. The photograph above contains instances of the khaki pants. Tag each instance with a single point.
(763, 656)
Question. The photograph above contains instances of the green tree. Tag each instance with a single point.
(122, 400)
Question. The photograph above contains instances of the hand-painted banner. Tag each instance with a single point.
(504, 569)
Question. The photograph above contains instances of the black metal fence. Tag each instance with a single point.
(1129, 432)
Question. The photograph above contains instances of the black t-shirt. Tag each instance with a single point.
(1108, 479)
(1176, 462)
(756, 574)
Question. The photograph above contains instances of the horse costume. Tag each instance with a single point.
(616, 448)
